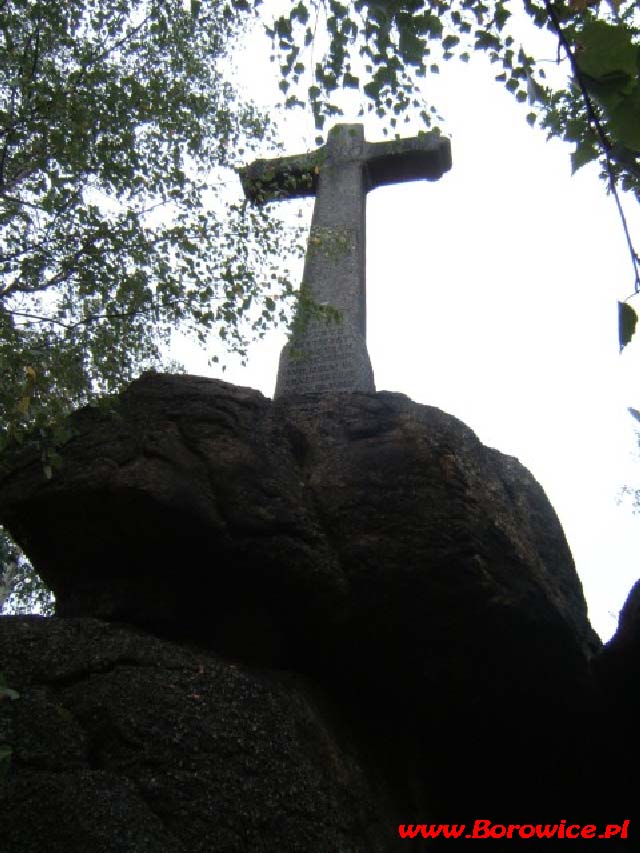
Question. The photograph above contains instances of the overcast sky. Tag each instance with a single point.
(492, 294)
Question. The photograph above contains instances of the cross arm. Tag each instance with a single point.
(281, 178)
(426, 157)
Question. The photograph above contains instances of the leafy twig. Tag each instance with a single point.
(601, 133)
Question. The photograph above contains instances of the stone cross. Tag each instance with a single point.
(321, 355)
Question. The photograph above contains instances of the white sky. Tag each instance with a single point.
(492, 294)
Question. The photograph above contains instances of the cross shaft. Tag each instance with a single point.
(333, 357)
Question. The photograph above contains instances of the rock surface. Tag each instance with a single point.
(374, 547)
(123, 742)
(195, 494)
(617, 671)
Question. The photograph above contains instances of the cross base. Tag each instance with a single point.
(330, 357)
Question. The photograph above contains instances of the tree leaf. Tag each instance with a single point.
(23, 404)
(585, 153)
(634, 413)
(606, 48)
(627, 320)
(624, 120)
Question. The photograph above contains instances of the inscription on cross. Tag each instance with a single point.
(332, 356)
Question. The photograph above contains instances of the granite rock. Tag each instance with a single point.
(124, 742)
(371, 546)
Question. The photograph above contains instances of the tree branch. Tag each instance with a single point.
(7, 141)
(7, 186)
(97, 57)
(596, 124)
(84, 322)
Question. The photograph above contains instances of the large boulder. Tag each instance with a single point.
(618, 665)
(617, 671)
(123, 743)
(193, 489)
(371, 544)
(183, 508)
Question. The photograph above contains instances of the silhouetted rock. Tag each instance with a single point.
(194, 492)
(617, 670)
(419, 580)
(123, 742)
(184, 509)
(619, 661)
